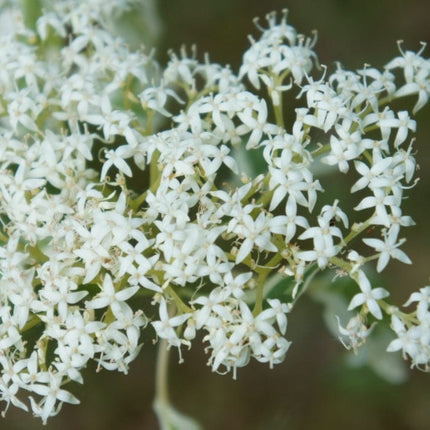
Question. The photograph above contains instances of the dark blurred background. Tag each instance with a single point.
(314, 388)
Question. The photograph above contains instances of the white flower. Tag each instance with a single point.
(324, 247)
(377, 169)
(412, 342)
(112, 298)
(368, 296)
(423, 299)
(257, 126)
(403, 124)
(275, 91)
(165, 328)
(212, 304)
(116, 158)
(388, 248)
(420, 86)
(235, 286)
(256, 233)
(155, 98)
(410, 62)
(345, 147)
(51, 394)
(322, 252)
(280, 311)
(379, 201)
(355, 333)
(8, 395)
(293, 220)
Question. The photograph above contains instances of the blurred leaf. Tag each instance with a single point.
(32, 9)
(171, 419)
(249, 161)
(334, 304)
(388, 366)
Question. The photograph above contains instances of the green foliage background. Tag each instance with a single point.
(314, 388)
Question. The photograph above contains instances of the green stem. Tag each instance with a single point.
(259, 300)
(154, 172)
(135, 204)
(161, 401)
(368, 156)
(279, 109)
(3, 237)
(32, 10)
(342, 264)
(266, 194)
(359, 228)
(263, 274)
(321, 150)
(149, 124)
(307, 282)
(32, 322)
(264, 200)
(178, 301)
(279, 114)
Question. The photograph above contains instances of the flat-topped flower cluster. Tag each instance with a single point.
(124, 187)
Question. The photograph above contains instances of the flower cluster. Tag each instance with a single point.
(65, 238)
(126, 186)
(412, 331)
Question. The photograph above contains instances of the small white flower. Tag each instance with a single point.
(51, 394)
(379, 201)
(340, 154)
(165, 327)
(116, 158)
(388, 248)
(368, 296)
(378, 168)
(355, 333)
(280, 309)
(403, 123)
(112, 298)
(256, 233)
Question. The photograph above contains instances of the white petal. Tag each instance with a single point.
(357, 300)
(374, 309)
(245, 250)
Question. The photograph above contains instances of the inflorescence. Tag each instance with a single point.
(124, 187)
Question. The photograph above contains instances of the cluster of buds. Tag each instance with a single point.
(126, 186)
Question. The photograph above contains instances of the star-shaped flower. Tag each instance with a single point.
(368, 296)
